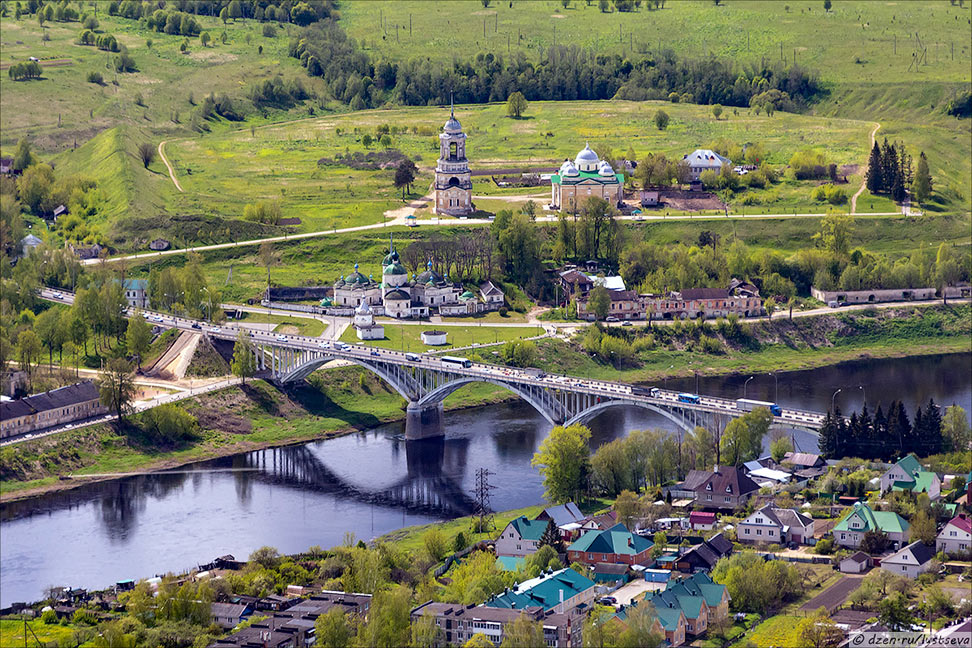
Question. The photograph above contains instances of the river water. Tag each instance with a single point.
(369, 483)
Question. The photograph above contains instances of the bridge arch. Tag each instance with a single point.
(591, 412)
(307, 368)
(438, 395)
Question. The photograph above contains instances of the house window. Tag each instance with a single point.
(747, 531)
(708, 498)
(842, 536)
(728, 499)
(759, 532)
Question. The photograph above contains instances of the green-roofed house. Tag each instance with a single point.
(861, 518)
(584, 178)
(614, 545)
(701, 600)
(521, 537)
(668, 621)
(561, 592)
(908, 475)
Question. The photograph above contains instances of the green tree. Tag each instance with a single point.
(550, 536)
(479, 640)
(48, 328)
(171, 424)
(435, 543)
(405, 175)
(779, 447)
(138, 337)
(923, 528)
(224, 15)
(388, 620)
(204, 38)
(818, 630)
(117, 386)
(425, 633)
(244, 357)
(835, 233)
(266, 557)
(22, 158)
(770, 307)
(516, 105)
(641, 628)
(268, 258)
(628, 507)
(564, 461)
(955, 428)
(28, 354)
(333, 628)
(524, 632)
(661, 120)
(717, 111)
(366, 140)
(599, 302)
(34, 186)
(922, 185)
(875, 176)
(893, 612)
(742, 440)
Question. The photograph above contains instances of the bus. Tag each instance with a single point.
(748, 405)
(689, 398)
(463, 362)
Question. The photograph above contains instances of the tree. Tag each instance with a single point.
(818, 631)
(34, 186)
(875, 179)
(564, 460)
(204, 38)
(661, 120)
(516, 105)
(224, 15)
(302, 14)
(779, 447)
(640, 627)
(523, 633)
(366, 140)
(434, 542)
(268, 258)
(23, 158)
(479, 640)
(28, 354)
(716, 111)
(893, 612)
(405, 175)
(425, 633)
(138, 337)
(146, 153)
(333, 628)
(827, 5)
(742, 439)
(48, 328)
(955, 428)
(835, 232)
(874, 542)
(628, 508)
(550, 536)
(599, 302)
(244, 357)
(923, 528)
(117, 386)
(922, 185)
(388, 620)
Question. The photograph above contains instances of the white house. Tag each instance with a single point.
(861, 518)
(912, 560)
(775, 526)
(908, 475)
(702, 160)
(956, 536)
(856, 563)
(520, 537)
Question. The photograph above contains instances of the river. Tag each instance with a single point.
(369, 483)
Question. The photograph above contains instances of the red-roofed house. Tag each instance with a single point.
(702, 520)
(956, 536)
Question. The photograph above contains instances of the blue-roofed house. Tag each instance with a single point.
(136, 292)
(521, 537)
(613, 545)
(561, 592)
(668, 621)
(700, 599)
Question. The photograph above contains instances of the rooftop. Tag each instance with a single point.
(546, 591)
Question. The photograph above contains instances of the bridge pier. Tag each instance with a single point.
(423, 422)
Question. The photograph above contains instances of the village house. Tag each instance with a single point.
(908, 475)
(28, 244)
(701, 600)
(668, 622)
(136, 293)
(567, 517)
(693, 303)
(492, 296)
(63, 405)
(459, 623)
(703, 557)
(229, 615)
(955, 537)
(702, 520)
(85, 252)
(521, 537)
(850, 530)
(726, 487)
(615, 545)
(856, 563)
(561, 592)
(775, 526)
(701, 160)
(910, 561)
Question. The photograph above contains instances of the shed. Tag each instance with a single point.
(703, 520)
(856, 563)
(434, 338)
(610, 573)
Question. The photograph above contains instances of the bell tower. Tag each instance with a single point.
(453, 184)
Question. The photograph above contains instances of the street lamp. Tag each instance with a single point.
(833, 406)
(861, 387)
(776, 380)
(745, 385)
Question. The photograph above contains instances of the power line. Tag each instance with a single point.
(483, 509)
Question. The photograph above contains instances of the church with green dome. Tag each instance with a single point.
(400, 296)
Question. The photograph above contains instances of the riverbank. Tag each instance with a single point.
(238, 420)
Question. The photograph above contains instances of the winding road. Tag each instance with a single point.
(169, 166)
(870, 146)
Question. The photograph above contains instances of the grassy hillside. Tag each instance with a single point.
(855, 42)
(63, 109)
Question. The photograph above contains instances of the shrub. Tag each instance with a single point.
(49, 617)
(712, 346)
(269, 31)
(95, 77)
(824, 546)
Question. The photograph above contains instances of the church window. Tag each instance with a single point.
(453, 150)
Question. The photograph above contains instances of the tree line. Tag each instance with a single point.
(890, 433)
(560, 73)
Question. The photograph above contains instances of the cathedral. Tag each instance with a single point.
(583, 178)
(398, 296)
(452, 185)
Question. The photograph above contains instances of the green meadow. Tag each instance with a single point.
(403, 337)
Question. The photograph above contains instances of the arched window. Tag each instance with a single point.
(453, 150)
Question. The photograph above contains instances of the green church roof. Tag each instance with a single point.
(394, 269)
(617, 178)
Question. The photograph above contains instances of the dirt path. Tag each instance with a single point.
(399, 213)
(832, 597)
(169, 167)
(864, 180)
(516, 198)
(174, 362)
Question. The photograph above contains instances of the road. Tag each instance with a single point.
(853, 209)
(169, 166)
(437, 222)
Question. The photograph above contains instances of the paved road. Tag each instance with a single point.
(832, 597)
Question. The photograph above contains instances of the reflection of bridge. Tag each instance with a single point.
(424, 490)
(425, 381)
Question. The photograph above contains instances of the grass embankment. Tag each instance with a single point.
(323, 260)
(780, 344)
(233, 420)
(12, 633)
(408, 338)
(287, 324)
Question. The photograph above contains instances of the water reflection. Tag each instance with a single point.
(367, 483)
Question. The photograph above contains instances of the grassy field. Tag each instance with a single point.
(407, 338)
(855, 42)
(12, 633)
(776, 631)
(74, 109)
(223, 171)
(286, 324)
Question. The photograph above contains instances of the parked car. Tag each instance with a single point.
(608, 600)
(611, 318)
(627, 323)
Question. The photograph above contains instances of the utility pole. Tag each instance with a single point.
(483, 510)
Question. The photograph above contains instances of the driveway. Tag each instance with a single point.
(834, 596)
(634, 590)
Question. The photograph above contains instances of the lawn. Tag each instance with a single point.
(12, 633)
(776, 632)
(308, 326)
(407, 338)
